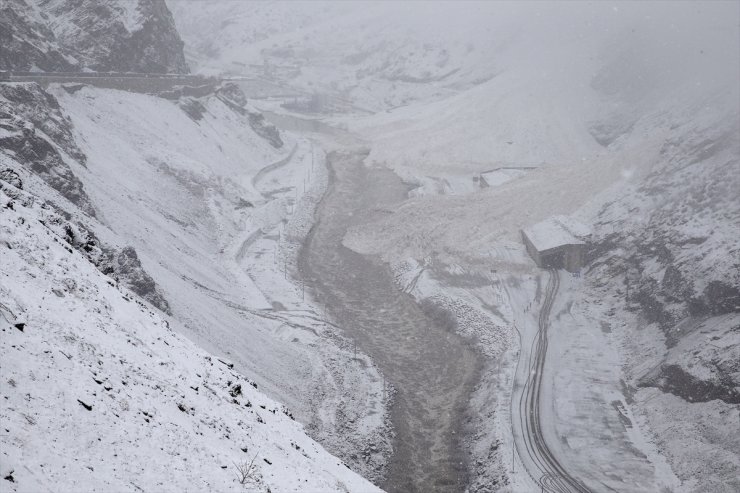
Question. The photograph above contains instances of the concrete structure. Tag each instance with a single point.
(557, 242)
(498, 176)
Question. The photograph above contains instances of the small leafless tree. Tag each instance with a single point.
(246, 471)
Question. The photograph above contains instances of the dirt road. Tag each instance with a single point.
(541, 462)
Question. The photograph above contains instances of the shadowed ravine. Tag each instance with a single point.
(432, 369)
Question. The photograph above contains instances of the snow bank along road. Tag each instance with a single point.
(526, 421)
(429, 367)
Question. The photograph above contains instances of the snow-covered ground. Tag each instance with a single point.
(101, 392)
(622, 116)
(215, 213)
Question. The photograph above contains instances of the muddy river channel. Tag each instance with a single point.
(430, 367)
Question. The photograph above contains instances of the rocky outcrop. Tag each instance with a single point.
(701, 362)
(28, 43)
(121, 264)
(37, 135)
(119, 36)
(265, 130)
(11, 176)
(676, 380)
(670, 248)
(673, 239)
(101, 35)
(193, 108)
(233, 97)
(124, 266)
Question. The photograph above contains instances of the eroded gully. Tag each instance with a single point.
(430, 367)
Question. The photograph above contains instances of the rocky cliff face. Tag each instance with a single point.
(37, 140)
(27, 43)
(37, 146)
(100, 35)
(37, 136)
(669, 247)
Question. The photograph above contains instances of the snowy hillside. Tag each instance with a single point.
(210, 202)
(100, 393)
(191, 211)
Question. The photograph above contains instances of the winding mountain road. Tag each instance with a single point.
(542, 465)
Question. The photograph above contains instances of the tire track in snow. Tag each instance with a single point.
(553, 475)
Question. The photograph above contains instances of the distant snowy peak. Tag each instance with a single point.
(98, 35)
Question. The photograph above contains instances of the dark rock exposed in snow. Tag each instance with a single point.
(231, 93)
(265, 130)
(121, 264)
(193, 108)
(101, 35)
(676, 380)
(10, 176)
(39, 137)
(124, 266)
(235, 99)
(671, 247)
(28, 43)
(119, 36)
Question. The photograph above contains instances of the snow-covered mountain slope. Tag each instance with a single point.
(110, 35)
(211, 203)
(194, 205)
(99, 393)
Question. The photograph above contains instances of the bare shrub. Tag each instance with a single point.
(246, 471)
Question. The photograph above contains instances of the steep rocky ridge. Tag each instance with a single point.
(37, 135)
(110, 35)
(27, 41)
